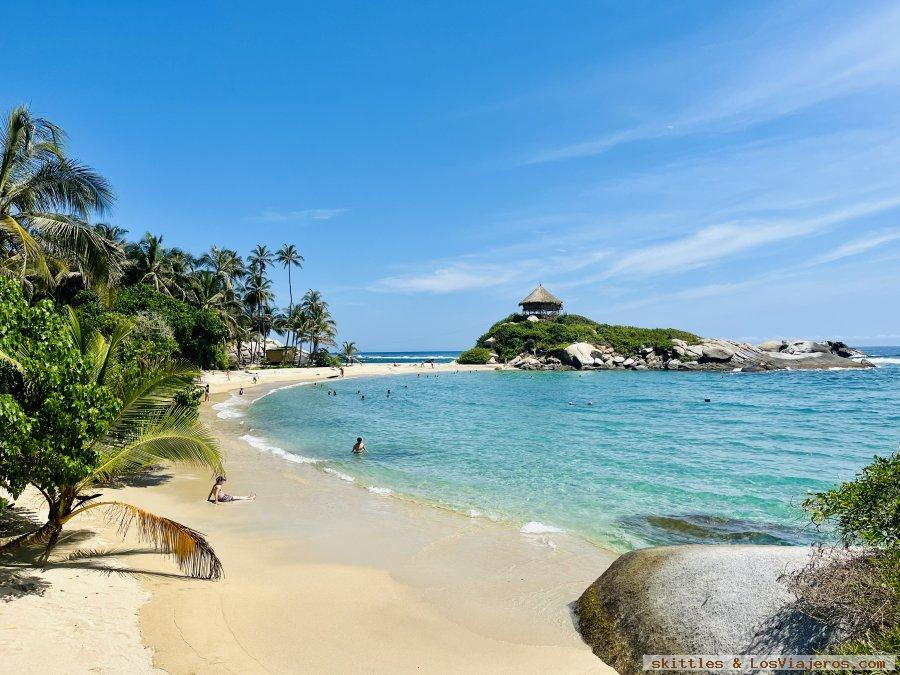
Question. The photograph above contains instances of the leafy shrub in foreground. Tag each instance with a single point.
(858, 589)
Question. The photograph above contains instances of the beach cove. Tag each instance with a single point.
(323, 575)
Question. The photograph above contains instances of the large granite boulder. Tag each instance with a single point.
(807, 347)
(715, 352)
(698, 600)
(772, 345)
(582, 354)
(694, 351)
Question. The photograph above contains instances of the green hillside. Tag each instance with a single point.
(514, 335)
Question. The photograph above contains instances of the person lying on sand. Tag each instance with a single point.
(217, 494)
(359, 447)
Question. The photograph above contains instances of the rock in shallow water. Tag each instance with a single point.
(698, 600)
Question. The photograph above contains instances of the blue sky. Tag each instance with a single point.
(727, 168)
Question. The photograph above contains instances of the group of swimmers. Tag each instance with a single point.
(217, 494)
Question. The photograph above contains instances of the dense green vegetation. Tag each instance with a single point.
(514, 335)
(101, 339)
(861, 591)
(70, 423)
(48, 242)
(475, 355)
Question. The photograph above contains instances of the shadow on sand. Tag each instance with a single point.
(20, 568)
(148, 478)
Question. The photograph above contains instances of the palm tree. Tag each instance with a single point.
(183, 265)
(323, 329)
(301, 324)
(257, 294)
(289, 257)
(148, 428)
(260, 259)
(46, 200)
(226, 264)
(150, 263)
(112, 233)
(349, 352)
(206, 291)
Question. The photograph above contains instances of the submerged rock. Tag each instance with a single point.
(698, 600)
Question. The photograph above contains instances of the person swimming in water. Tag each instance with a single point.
(217, 493)
(359, 447)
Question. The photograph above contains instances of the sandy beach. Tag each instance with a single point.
(320, 576)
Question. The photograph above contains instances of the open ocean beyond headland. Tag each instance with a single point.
(624, 459)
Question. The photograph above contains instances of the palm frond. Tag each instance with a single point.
(189, 548)
(148, 397)
(62, 183)
(97, 350)
(30, 249)
(175, 436)
(99, 259)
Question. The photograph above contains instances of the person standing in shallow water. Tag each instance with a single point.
(359, 447)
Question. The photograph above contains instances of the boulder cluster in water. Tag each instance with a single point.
(709, 354)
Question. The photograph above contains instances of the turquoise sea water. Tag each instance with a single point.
(624, 459)
(408, 357)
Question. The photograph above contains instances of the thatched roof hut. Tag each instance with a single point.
(541, 302)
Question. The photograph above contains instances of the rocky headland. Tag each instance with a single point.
(575, 342)
(706, 354)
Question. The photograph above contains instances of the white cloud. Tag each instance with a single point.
(857, 246)
(489, 270)
(457, 277)
(783, 78)
(275, 216)
(717, 242)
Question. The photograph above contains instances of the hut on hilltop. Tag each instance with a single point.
(541, 303)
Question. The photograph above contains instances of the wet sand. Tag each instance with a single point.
(323, 576)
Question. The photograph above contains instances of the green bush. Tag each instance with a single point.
(323, 359)
(514, 335)
(865, 510)
(865, 513)
(51, 409)
(150, 341)
(475, 355)
(198, 332)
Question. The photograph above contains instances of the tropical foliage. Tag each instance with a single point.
(46, 242)
(101, 337)
(515, 335)
(475, 355)
(46, 200)
(68, 426)
(858, 588)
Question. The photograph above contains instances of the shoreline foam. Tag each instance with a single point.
(454, 593)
